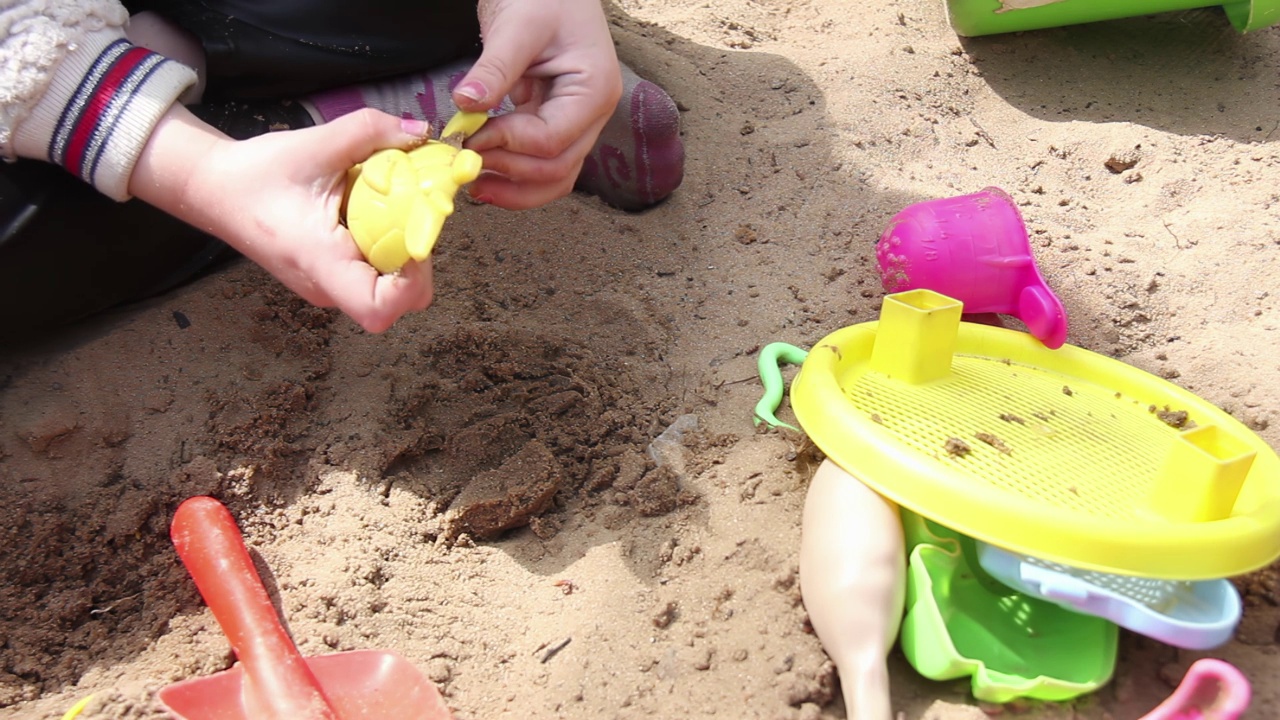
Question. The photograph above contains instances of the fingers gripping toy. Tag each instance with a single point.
(397, 201)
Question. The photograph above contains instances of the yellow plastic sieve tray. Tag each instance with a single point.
(1064, 455)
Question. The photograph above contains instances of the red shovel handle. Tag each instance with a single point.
(278, 682)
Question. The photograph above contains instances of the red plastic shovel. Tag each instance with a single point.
(272, 680)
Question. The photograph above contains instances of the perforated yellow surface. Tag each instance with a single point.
(1036, 436)
(1063, 455)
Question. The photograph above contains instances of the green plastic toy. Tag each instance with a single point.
(960, 622)
(970, 18)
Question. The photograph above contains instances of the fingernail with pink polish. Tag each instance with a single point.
(415, 127)
(473, 90)
(483, 199)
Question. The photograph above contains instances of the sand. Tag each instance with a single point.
(474, 488)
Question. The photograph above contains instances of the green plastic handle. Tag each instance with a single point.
(771, 377)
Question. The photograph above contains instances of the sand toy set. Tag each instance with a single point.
(1042, 495)
(997, 502)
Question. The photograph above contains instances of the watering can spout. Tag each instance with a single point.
(1043, 314)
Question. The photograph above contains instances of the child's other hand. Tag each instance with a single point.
(276, 199)
(555, 59)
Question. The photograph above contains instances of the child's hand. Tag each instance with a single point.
(276, 198)
(555, 59)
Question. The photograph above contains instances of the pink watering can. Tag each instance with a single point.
(973, 248)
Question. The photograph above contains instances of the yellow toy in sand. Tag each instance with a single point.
(397, 201)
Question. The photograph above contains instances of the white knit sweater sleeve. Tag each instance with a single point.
(75, 92)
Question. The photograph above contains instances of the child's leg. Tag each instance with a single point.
(68, 251)
(425, 96)
(637, 161)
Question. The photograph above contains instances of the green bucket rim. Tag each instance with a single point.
(1253, 15)
(972, 18)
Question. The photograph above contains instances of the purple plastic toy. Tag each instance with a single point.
(973, 248)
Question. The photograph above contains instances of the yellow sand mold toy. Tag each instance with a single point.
(1063, 455)
(397, 201)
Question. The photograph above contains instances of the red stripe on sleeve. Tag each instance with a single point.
(103, 94)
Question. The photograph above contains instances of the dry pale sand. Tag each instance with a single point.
(563, 341)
